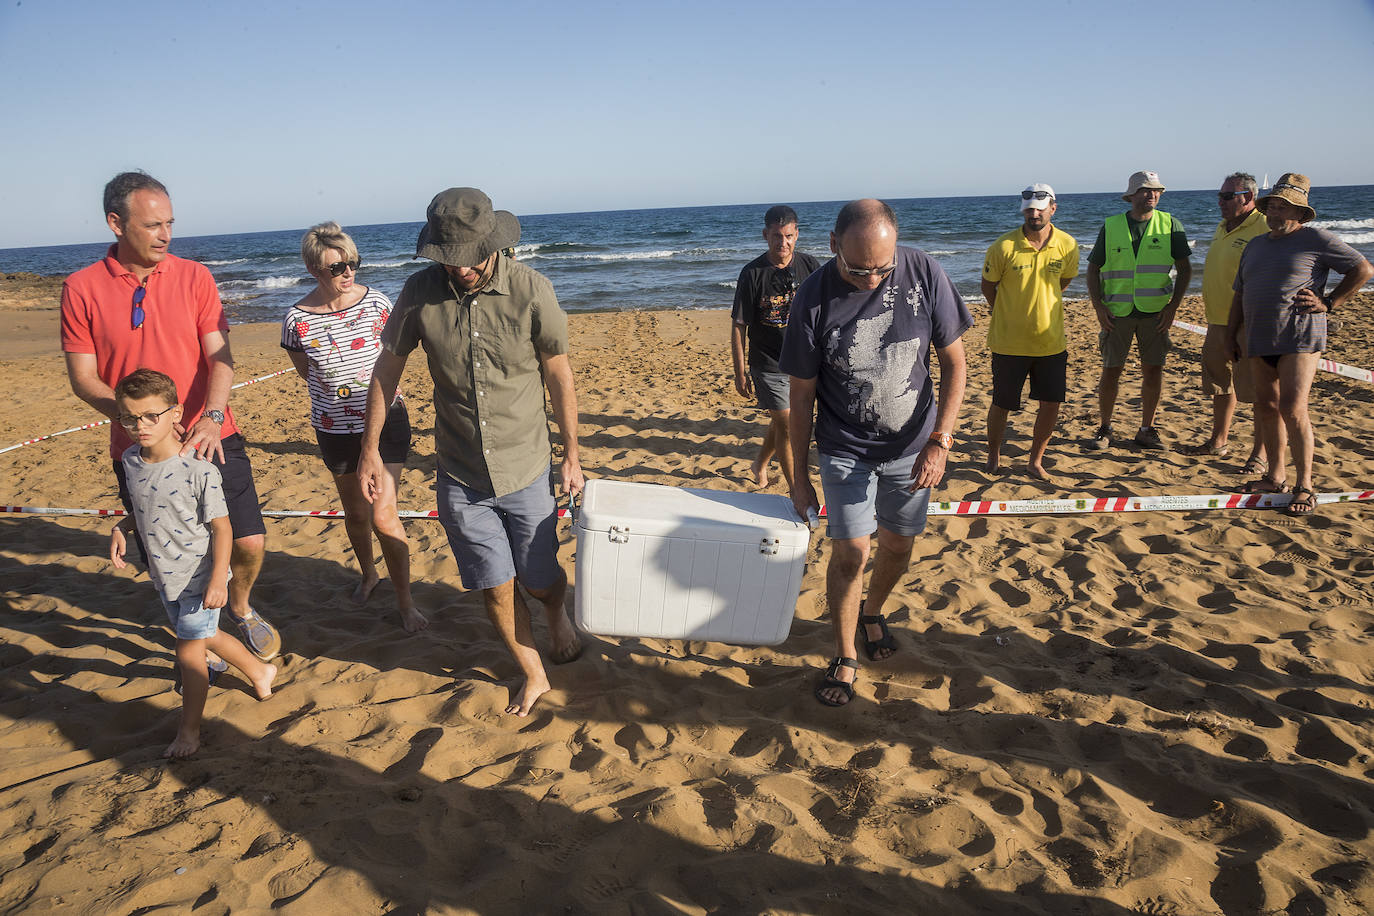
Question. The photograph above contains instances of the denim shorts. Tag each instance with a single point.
(499, 538)
(854, 490)
(772, 389)
(189, 616)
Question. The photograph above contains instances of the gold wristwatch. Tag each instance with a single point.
(945, 440)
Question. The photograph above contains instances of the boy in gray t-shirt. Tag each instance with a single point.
(182, 518)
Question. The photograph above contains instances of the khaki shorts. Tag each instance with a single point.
(1115, 344)
(1221, 376)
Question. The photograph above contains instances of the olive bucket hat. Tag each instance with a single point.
(462, 230)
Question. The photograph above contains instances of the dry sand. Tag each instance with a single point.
(1161, 713)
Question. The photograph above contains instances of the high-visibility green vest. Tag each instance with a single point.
(1131, 280)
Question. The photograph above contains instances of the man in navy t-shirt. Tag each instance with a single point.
(763, 296)
(858, 348)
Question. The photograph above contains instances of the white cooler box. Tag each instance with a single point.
(677, 563)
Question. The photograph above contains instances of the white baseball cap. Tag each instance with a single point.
(1035, 197)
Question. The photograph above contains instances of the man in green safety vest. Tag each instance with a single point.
(1129, 285)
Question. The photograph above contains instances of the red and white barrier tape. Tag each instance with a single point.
(1082, 506)
(77, 429)
(1327, 365)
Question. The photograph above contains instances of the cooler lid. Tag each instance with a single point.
(658, 511)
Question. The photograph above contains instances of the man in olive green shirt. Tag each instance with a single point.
(494, 336)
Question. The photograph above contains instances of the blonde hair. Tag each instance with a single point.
(319, 239)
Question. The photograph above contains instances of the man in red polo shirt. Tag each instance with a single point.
(143, 307)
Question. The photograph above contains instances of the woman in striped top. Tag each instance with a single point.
(333, 337)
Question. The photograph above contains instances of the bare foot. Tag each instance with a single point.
(365, 588)
(184, 746)
(1038, 472)
(263, 685)
(994, 465)
(524, 700)
(760, 468)
(567, 645)
(413, 620)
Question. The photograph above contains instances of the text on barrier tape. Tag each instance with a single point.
(1326, 365)
(1081, 506)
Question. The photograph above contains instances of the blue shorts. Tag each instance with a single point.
(854, 489)
(189, 616)
(499, 538)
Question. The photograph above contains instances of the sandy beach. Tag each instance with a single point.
(1154, 713)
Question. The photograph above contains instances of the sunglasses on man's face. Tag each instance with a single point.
(866, 271)
(1230, 195)
(138, 313)
(338, 267)
(1034, 195)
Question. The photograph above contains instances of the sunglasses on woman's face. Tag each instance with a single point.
(338, 267)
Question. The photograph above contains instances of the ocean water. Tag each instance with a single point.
(682, 257)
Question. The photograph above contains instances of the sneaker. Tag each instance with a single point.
(1148, 438)
(212, 668)
(258, 635)
(1101, 439)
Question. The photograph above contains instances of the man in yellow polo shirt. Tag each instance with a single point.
(1024, 275)
(1225, 381)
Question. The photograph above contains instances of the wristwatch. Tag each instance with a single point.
(945, 440)
(216, 415)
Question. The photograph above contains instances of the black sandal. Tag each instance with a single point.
(832, 679)
(1304, 502)
(886, 641)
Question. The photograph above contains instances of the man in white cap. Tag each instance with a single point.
(495, 337)
(1282, 302)
(1224, 380)
(1024, 275)
(1128, 283)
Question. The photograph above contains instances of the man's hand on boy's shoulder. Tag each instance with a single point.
(202, 440)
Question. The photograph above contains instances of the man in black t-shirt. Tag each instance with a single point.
(763, 297)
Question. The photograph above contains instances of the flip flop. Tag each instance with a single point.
(886, 641)
(832, 679)
(1304, 502)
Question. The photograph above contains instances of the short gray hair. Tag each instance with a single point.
(1245, 180)
(319, 239)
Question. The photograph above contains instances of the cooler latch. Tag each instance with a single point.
(618, 535)
(769, 547)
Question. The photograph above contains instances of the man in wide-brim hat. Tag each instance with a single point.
(1282, 301)
(495, 337)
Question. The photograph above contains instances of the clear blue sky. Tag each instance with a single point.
(277, 115)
